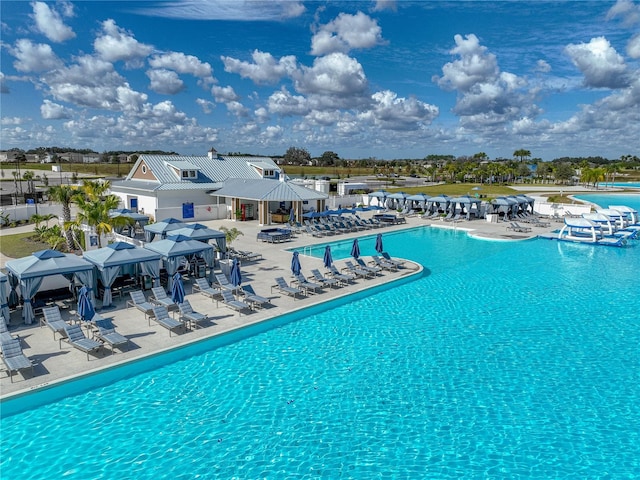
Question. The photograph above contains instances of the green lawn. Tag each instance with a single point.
(20, 245)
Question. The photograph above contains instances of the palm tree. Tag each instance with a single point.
(522, 153)
(95, 213)
(65, 194)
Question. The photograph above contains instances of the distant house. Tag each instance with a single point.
(213, 186)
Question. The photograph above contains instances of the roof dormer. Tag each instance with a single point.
(184, 170)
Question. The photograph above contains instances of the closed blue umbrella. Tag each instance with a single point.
(85, 307)
(177, 289)
(355, 249)
(379, 247)
(235, 276)
(328, 260)
(295, 264)
(292, 216)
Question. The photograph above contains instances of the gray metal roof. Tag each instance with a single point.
(182, 165)
(267, 190)
(211, 170)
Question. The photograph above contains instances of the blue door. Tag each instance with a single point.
(133, 204)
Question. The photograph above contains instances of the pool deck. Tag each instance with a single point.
(53, 364)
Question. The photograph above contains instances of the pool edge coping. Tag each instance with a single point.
(13, 396)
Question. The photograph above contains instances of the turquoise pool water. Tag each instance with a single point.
(604, 200)
(505, 360)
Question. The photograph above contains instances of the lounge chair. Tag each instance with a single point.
(51, 318)
(162, 318)
(228, 300)
(313, 231)
(4, 331)
(14, 358)
(344, 278)
(245, 255)
(302, 282)
(518, 228)
(139, 301)
(387, 257)
(106, 332)
(189, 316)
(224, 283)
(160, 297)
(327, 282)
(382, 263)
(357, 270)
(283, 287)
(202, 286)
(77, 339)
(372, 268)
(251, 297)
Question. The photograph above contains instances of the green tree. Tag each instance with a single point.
(522, 154)
(297, 156)
(65, 195)
(231, 234)
(564, 172)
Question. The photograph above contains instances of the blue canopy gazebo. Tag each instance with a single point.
(135, 217)
(380, 195)
(399, 198)
(109, 261)
(421, 198)
(175, 248)
(29, 271)
(437, 203)
(467, 203)
(198, 231)
(162, 228)
(4, 297)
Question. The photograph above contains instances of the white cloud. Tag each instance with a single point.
(32, 57)
(273, 132)
(54, 111)
(50, 24)
(395, 113)
(284, 103)
(244, 11)
(633, 47)
(116, 44)
(228, 96)
(264, 69)
(92, 82)
(224, 94)
(484, 92)
(474, 66)
(385, 5)
(185, 64)
(206, 105)
(345, 33)
(599, 62)
(165, 81)
(335, 74)
(542, 66)
(627, 10)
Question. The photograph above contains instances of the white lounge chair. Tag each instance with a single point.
(51, 318)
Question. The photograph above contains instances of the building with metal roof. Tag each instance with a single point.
(213, 186)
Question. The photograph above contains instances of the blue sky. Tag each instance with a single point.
(383, 79)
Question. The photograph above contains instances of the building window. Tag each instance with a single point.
(192, 173)
(185, 174)
(144, 169)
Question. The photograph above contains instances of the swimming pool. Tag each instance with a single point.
(604, 200)
(503, 360)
